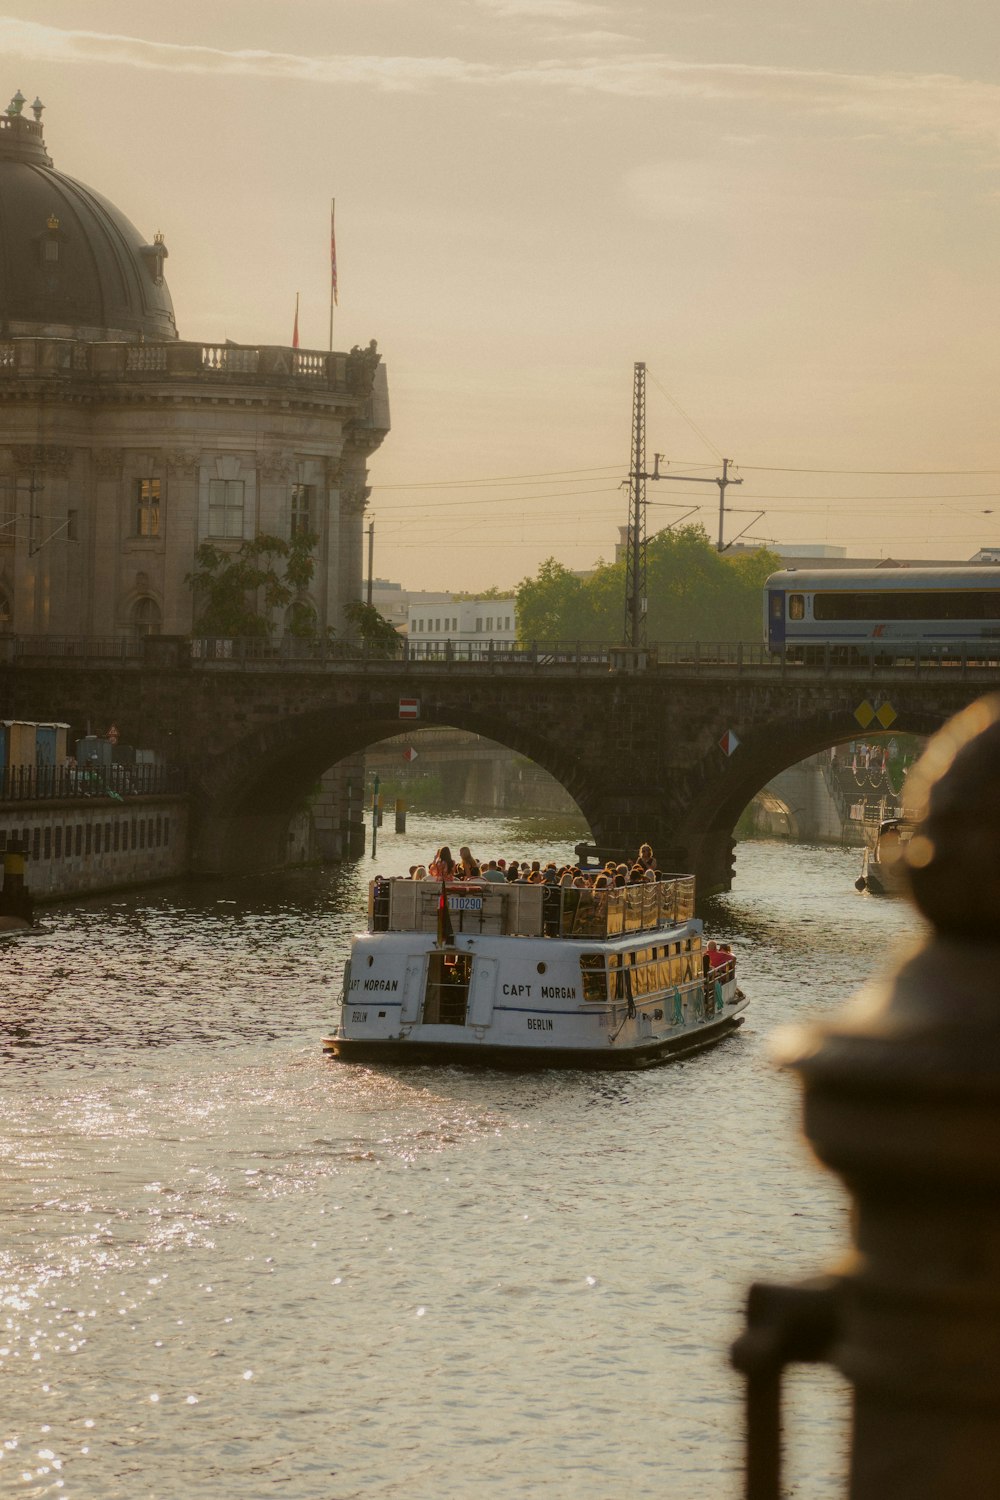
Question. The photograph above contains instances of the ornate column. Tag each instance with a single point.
(902, 1100)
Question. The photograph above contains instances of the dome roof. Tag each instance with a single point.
(71, 264)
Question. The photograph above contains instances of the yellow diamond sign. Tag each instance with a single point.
(884, 716)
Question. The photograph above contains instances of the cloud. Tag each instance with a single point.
(545, 10)
(894, 103)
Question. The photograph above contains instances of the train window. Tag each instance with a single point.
(796, 607)
(900, 604)
(777, 605)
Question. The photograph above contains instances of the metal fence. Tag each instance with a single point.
(113, 783)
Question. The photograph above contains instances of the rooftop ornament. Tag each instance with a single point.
(16, 104)
(902, 1101)
(36, 109)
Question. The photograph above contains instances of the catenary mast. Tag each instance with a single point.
(635, 559)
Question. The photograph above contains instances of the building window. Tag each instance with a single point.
(225, 507)
(50, 250)
(303, 509)
(6, 613)
(145, 618)
(147, 507)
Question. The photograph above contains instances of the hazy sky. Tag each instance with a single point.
(788, 209)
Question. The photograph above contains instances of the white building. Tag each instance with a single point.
(466, 623)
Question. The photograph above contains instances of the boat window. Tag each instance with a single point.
(595, 979)
(796, 607)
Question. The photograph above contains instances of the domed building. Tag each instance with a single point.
(124, 447)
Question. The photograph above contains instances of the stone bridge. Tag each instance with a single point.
(647, 755)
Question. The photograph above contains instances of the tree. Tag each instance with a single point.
(490, 593)
(238, 593)
(377, 633)
(551, 606)
(694, 593)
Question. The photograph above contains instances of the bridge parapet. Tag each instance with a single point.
(720, 659)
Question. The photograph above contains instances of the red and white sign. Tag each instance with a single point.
(409, 753)
(729, 742)
(409, 708)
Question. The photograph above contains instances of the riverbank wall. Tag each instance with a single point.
(80, 846)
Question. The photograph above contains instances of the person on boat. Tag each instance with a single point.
(645, 859)
(493, 873)
(442, 866)
(419, 872)
(468, 867)
(717, 957)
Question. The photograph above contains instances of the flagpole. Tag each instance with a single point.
(333, 265)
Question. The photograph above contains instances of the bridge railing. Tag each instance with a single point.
(695, 657)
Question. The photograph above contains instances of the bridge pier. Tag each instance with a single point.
(244, 844)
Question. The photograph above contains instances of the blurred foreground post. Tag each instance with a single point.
(902, 1100)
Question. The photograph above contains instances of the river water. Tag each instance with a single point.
(234, 1267)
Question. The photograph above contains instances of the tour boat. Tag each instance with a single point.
(533, 976)
(883, 870)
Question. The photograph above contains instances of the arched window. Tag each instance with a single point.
(145, 617)
(301, 618)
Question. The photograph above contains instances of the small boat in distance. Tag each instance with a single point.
(882, 864)
(528, 975)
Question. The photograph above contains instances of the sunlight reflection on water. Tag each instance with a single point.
(230, 1264)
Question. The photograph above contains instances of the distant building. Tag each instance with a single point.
(123, 447)
(393, 601)
(467, 622)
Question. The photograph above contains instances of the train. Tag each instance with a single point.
(853, 614)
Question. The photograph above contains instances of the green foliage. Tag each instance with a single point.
(238, 593)
(694, 593)
(484, 594)
(378, 633)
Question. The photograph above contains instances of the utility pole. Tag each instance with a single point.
(722, 483)
(371, 554)
(635, 555)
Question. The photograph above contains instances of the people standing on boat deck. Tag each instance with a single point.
(442, 866)
(493, 873)
(645, 857)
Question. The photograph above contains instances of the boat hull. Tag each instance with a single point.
(498, 1055)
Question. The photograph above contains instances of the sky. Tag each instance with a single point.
(788, 210)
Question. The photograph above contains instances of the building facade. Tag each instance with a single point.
(123, 447)
(472, 624)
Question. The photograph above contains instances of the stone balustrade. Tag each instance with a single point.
(30, 358)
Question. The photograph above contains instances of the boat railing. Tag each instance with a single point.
(516, 910)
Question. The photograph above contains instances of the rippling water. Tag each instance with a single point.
(233, 1267)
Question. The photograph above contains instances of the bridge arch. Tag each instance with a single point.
(247, 802)
(707, 829)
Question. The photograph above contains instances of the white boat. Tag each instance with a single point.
(532, 976)
(883, 869)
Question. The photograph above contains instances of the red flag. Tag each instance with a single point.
(333, 254)
(295, 330)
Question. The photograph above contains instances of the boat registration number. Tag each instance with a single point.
(465, 903)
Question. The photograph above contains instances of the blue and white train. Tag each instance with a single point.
(848, 613)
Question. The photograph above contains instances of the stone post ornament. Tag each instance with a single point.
(902, 1100)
